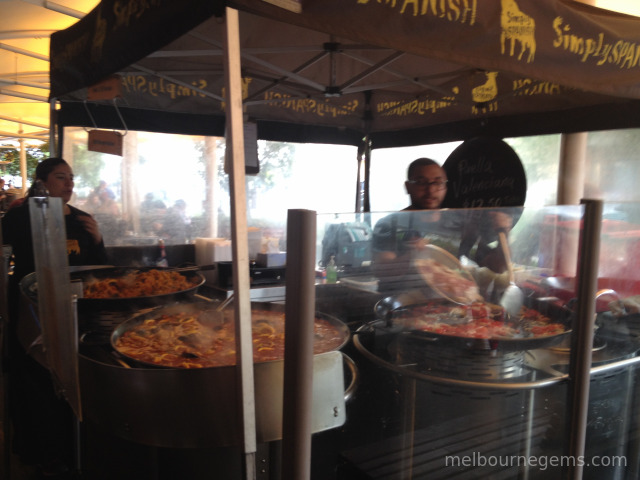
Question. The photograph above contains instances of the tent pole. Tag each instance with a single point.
(297, 413)
(240, 244)
(52, 130)
(363, 204)
(23, 164)
(571, 171)
(367, 175)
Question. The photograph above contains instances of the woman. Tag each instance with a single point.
(84, 240)
(42, 420)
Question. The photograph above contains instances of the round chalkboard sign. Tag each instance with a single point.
(484, 172)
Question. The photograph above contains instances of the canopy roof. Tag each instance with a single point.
(404, 73)
(24, 63)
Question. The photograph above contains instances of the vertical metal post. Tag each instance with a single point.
(298, 359)
(573, 149)
(239, 236)
(408, 391)
(582, 337)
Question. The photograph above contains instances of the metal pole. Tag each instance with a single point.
(23, 167)
(582, 337)
(298, 358)
(571, 170)
(240, 244)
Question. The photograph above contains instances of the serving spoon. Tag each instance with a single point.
(215, 316)
(513, 297)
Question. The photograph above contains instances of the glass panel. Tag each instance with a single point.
(450, 390)
(539, 156)
(439, 392)
(389, 171)
(174, 187)
(612, 166)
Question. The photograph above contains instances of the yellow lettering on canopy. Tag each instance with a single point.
(484, 108)
(141, 84)
(126, 12)
(309, 105)
(621, 53)
(529, 87)
(414, 107)
(460, 11)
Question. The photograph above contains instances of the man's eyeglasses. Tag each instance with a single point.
(424, 183)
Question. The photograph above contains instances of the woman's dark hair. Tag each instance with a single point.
(43, 169)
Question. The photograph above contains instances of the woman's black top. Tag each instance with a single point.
(81, 248)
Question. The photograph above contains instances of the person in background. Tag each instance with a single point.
(398, 235)
(176, 225)
(103, 190)
(4, 198)
(151, 204)
(42, 420)
(151, 212)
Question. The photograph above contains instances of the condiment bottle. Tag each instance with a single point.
(162, 261)
(332, 270)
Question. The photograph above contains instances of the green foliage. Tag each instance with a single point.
(33, 155)
(86, 166)
(276, 160)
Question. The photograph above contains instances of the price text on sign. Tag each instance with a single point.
(484, 172)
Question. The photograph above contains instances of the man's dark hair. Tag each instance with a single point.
(420, 162)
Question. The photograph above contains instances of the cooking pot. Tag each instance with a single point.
(97, 317)
(29, 288)
(199, 407)
(87, 276)
(390, 310)
(206, 312)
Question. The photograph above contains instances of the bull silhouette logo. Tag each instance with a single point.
(517, 27)
(487, 91)
(73, 247)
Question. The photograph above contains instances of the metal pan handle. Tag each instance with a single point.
(355, 377)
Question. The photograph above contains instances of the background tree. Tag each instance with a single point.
(87, 167)
(276, 161)
(12, 155)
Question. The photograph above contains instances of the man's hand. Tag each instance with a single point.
(501, 221)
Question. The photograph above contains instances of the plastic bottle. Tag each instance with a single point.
(332, 271)
(162, 261)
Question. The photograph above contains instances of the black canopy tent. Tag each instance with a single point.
(401, 73)
(348, 71)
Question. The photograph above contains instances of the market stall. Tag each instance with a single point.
(363, 73)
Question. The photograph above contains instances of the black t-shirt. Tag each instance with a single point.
(398, 232)
(81, 248)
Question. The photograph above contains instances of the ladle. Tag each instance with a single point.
(215, 316)
(512, 298)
